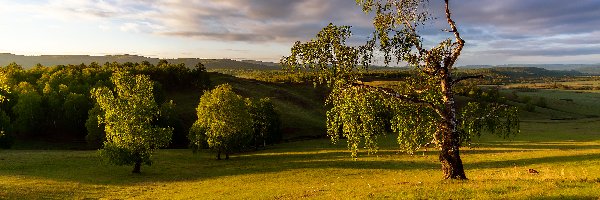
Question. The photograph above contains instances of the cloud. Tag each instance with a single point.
(508, 28)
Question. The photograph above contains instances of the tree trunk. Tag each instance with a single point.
(226, 156)
(450, 137)
(450, 158)
(218, 155)
(137, 167)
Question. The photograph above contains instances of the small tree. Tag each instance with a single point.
(129, 111)
(223, 122)
(265, 122)
(424, 109)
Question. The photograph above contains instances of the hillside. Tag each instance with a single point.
(532, 72)
(301, 106)
(563, 67)
(51, 60)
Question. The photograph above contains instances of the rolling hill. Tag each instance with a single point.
(51, 60)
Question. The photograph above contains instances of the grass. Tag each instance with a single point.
(566, 153)
(567, 159)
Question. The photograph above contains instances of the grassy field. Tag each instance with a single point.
(567, 156)
(566, 153)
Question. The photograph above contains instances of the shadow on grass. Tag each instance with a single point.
(182, 165)
(533, 161)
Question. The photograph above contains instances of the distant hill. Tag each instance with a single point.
(593, 70)
(583, 68)
(51, 60)
(533, 72)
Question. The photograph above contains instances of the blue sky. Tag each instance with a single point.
(497, 32)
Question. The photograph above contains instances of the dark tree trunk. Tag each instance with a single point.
(450, 137)
(451, 163)
(218, 155)
(137, 167)
(226, 156)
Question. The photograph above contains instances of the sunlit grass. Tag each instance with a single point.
(567, 159)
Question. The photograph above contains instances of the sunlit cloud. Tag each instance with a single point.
(499, 29)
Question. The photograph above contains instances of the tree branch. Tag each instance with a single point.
(459, 41)
(393, 93)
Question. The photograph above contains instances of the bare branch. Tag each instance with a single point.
(459, 41)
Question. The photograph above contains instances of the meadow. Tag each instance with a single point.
(566, 155)
(560, 141)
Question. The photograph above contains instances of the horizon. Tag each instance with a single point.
(496, 32)
(469, 65)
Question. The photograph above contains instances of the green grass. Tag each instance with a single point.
(567, 156)
(565, 152)
(562, 104)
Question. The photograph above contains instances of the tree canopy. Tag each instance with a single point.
(224, 121)
(422, 109)
(128, 115)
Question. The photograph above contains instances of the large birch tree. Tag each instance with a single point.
(423, 110)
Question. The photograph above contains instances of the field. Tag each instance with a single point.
(567, 162)
(561, 141)
(566, 155)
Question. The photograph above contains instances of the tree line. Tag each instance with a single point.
(123, 109)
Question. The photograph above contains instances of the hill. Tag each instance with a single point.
(566, 67)
(52, 60)
(532, 72)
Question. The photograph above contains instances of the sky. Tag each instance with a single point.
(496, 32)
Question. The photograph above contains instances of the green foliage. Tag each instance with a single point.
(328, 55)
(129, 111)
(357, 114)
(223, 119)
(28, 111)
(65, 89)
(6, 138)
(95, 131)
(76, 107)
(423, 109)
(169, 118)
(498, 119)
(265, 122)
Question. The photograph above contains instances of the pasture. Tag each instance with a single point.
(566, 155)
(560, 141)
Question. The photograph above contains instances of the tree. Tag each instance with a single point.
(28, 111)
(224, 122)
(423, 109)
(95, 131)
(129, 112)
(76, 107)
(6, 140)
(265, 122)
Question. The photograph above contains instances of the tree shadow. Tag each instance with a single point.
(182, 165)
(532, 161)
